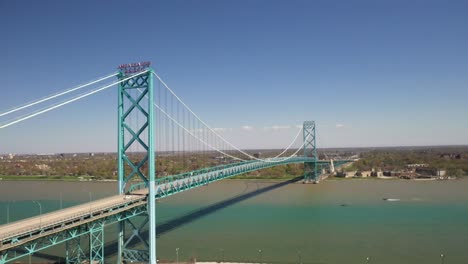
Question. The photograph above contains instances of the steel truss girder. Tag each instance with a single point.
(136, 255)
(174, 184)
(69, 235)
(96, 243)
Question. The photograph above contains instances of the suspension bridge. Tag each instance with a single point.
(154, 124)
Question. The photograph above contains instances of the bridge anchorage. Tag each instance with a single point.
(133, 209)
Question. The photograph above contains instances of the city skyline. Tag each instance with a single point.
(370, 74)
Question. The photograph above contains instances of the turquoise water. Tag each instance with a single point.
(342, 221)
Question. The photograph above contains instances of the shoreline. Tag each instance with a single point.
(333, 178)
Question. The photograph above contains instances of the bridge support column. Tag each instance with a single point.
(96, 243)
(136, 100)
(310, 151)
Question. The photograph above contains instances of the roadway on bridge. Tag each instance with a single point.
(61, 216)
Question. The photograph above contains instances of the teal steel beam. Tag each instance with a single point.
(151, 172)
(96, 243)
(120, 166)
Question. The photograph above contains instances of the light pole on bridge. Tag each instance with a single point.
(90, 200)
(177, 255)
(90, 194)
(40, 213)
(8, 211)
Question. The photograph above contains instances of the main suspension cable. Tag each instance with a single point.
(67, 102)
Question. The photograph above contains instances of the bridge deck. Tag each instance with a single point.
(54, 221)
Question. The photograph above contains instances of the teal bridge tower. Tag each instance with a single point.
(141, 168)
(310, 151)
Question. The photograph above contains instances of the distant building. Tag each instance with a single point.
(43, 167)
(421, 165)
(451, 155)
(257, 155)
(376, 173)
(366, 174)
(348, 174)
(392, 173)
(431, 172)
(345, 174)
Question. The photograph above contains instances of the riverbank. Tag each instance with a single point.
(50, 178)
(386, 178)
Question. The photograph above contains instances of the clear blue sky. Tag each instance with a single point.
(371, 73)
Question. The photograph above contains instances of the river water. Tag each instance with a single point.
(336, 221)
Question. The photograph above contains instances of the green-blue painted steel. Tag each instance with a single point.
(310, 151)
(141, 104)
(120, 165)
(151, 172)
(96, 242)
(37, 240)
